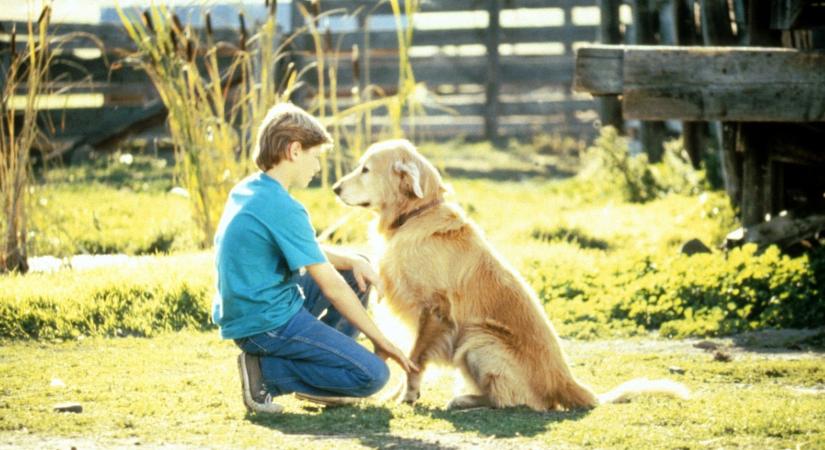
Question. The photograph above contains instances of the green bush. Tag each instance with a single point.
(702, 295)
(709, 294)
(610, 165)
(573, 235)
(142, 298)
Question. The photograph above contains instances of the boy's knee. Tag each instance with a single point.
(377, 377)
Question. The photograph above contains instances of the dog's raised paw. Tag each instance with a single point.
(411, 397)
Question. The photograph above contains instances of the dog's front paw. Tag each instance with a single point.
(411, 396)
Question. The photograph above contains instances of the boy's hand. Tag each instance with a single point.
(365, 275)
(388, 350)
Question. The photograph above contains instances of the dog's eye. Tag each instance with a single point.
(365, 169)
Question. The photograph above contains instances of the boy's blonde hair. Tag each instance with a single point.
(284, 124)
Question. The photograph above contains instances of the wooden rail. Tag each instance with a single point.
(735, 84)
(538, 86)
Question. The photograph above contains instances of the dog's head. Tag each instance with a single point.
(392, 177)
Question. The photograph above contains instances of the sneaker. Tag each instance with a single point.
(255, 397)
(328, 400)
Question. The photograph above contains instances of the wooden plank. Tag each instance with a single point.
(466, 70)
(111, 35)
(599, 69)
(736, 84)
(447, 6)
(754, 103)
(707, 83)
(389, 39)
(114, 94)
(89, 122)
(516, 109)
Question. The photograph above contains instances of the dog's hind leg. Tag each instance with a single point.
(495, 375)
(433, 342)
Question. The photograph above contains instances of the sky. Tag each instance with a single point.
(86, 11)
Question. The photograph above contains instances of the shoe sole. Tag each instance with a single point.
(329, 401)
(270, 408)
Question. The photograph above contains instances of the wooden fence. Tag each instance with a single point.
(485, 68)
(499, 77)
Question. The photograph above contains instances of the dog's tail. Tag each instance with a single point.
(640, 386)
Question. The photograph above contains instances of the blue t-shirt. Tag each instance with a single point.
(264, 237)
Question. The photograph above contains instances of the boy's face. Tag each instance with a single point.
(308, 163)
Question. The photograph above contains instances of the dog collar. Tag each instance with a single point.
(403, 218)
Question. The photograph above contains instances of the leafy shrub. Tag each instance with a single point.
(573, 235)
(151, 295)
(701, 295)
(611, 165)
(723, 294)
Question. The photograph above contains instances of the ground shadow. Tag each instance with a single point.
(505, 174)
(330, 421)
(368, 424)
(371, 424)
(781, 341)
(502, 423)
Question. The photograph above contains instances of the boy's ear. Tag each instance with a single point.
(295, 149)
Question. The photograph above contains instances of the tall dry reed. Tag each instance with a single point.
(23, 74)
(217, 93)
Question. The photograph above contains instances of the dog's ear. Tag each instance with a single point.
(410, 169)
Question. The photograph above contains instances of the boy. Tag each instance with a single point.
(268, 307)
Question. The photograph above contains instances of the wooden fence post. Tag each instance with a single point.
(610, 108)
(645, 25)
(364, 73)
(491, 106)
(299, 45)
(754, 167)
(694, 134)
(716, 31)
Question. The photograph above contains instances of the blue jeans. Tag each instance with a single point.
(318, 357)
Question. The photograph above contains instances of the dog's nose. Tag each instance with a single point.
(337, 189)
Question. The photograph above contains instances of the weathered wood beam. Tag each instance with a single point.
(737, 84)
(599, 69)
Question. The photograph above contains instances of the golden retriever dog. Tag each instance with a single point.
(467, 306)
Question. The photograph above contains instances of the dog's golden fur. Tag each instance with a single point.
(468, 307)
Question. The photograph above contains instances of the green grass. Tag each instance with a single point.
(601, 265)
(120, 203)
(604, 267)
(182, 389)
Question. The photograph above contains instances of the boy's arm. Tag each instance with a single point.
(336, 289)
(361, 268)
